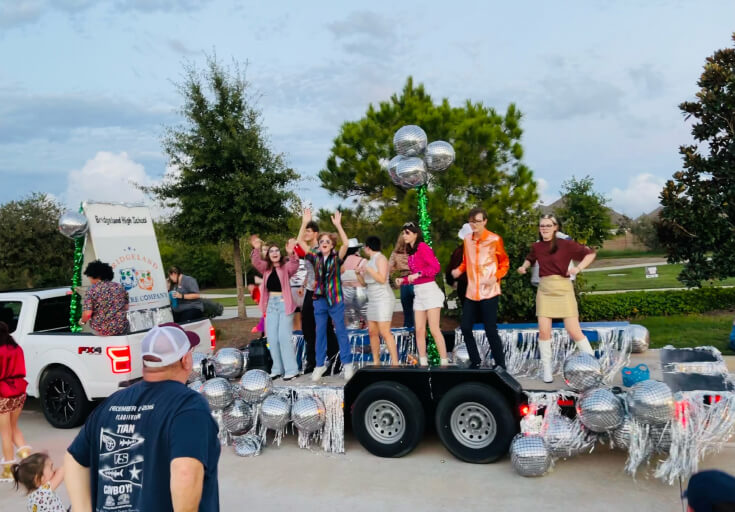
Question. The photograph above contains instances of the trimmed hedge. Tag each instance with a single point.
(621, 306)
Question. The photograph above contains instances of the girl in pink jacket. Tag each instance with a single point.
(429, 299)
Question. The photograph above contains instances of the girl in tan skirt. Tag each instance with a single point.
(555, 296)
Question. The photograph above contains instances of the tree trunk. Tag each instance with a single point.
(238, 278)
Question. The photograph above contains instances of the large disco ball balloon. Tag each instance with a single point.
(275, 412)
(600, 410)
(460, 356)
(411, 173)
(393, 168)
(410, 140)
(218, 392)
(582, 372)
(651, 402)
(560, 434)
(238, 417)
(439, 155)
(255, 385)
(248, 445)
(196, 385)
(621, 435)
(529, 455)
(228, 363)
(73, 225)
(198, 359)
(638, 336)
(309, 414)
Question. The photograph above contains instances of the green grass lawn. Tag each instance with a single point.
(635, 279)
(222, 291)
(690, 330)
(628, 254)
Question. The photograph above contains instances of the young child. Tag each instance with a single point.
(37, 474)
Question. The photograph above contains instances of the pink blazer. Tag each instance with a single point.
(284, 275)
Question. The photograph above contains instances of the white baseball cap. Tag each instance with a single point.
(166, 344)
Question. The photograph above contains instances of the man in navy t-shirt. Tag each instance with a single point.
(152, 446)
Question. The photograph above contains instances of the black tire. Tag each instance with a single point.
(388, 419)
(63, 401)
(475, 423)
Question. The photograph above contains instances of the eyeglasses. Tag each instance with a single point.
(274, 250)
(476, 221)
(546, 226)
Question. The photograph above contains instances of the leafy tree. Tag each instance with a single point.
(584, 215)
(34, 253)
(229, 180)
(488, 170)
(698, 216)
(645, 229)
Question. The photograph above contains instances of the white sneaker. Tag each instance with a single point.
(317, 373)
(444, 362)
(423, 361)
(349, 371)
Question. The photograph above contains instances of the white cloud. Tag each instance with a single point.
(544, 196)
(107, 177)
(641, 195)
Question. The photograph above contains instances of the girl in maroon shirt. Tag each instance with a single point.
(555, 296)
(12, 397)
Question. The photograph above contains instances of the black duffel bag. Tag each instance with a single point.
(259, 357)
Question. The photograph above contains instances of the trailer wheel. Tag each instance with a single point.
(475, 423)
(388, 419)
(63, 400)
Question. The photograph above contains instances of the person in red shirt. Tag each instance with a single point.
(12, 397)
(555, 296)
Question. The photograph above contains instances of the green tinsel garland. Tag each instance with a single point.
(75, 308)
(425, 224)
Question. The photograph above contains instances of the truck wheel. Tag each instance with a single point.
(475, 423)
(62, 399)
(388, 419)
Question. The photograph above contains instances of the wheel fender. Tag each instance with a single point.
(60, 358)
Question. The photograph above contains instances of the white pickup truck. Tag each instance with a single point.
(69, 371)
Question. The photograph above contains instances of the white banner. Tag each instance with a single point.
(123, 236)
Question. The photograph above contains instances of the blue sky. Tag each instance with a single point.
(87, 86)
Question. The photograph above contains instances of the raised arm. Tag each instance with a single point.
(305, 219)
(292, 266)
(337, 221)
(255, 258)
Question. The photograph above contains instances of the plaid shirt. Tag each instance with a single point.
(327, 273)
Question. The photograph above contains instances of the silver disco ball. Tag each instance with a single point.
(411, 173)
(460, 356)
(651, 402)
(218, 392)
(197, 358)
(196, 385)
(582, 372)
(529, 455)
(248, 445)
(600, 410)
(621, 435)
(228, 363)
(309, 414)
(73, 225)
(560, 435)
(638, 336)
(410, 140)
(439, 155)
(238, 417)
(393, 168)
(275, 412)
(255, 385)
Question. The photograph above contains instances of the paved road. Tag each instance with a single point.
(429, 479)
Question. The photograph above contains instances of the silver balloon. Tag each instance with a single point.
(529, 455)
(255, 385)
(248, 445)
(411, 173)
(218, 392)
(73, 225)
(561, 436)
(661, 438)
(196, 371)
(439, 155)
(460, 356)
(638, 336)
(410, 140)
(582, 372)
(651, 402)
(275, 412)
(196, 385)
(621, 435)
(600, 410)
(309, 414)
(393, 168)
(228, 363)
(238, 417)
(223, 435)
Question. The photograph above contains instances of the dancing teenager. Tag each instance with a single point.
(398, 263)
(555, 295)
(327, 299)
(429, 299)
(277, 304)
(381, 300)
(486, 263)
